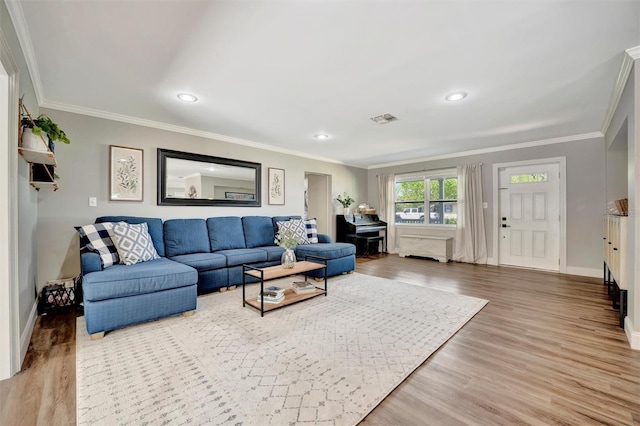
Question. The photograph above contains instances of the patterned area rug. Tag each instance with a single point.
(326, 361)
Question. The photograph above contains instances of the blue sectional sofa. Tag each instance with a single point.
(197, 256)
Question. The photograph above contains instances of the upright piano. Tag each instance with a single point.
(363, 230)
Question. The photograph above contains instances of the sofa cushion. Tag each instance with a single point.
(239, 256)
(202, 261)
(326, 251)
(273, 252)
(154, 224)
(97, 238)
(130, 280)
(225, 233)
(258, 231)
(184, 236)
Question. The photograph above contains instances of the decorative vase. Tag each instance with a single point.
(288, 259)
(34, 142)
(345, 211)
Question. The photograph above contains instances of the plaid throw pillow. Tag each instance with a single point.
(312, 230)
(134, 243)
(297, 227)
(97, 238)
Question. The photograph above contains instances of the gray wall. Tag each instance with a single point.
(83, 167)
(623, 126)
(27, 200)
(585, 192)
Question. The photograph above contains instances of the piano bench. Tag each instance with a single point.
(368, 242)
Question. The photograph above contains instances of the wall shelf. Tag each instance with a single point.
(41, 162)
(40, 157)
(42, 176)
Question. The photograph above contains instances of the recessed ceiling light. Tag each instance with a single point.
(321, 136)
(187, 97)
(456, 96)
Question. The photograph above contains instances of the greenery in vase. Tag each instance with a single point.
(287, 239)
(345, 200)
(45, 124)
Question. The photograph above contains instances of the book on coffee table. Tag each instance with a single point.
(303, 287)
(268, 299)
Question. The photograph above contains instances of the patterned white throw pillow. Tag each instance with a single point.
(312, 230)
(98, 239)
(134, 243)
(297, 227)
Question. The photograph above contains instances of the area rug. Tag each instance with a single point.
(326, 361)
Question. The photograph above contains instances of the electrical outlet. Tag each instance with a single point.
(93, 202)
(485, 205)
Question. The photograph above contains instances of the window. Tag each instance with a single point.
(530, 177)
(438, 191)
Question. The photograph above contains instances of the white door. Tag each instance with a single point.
(529, 220)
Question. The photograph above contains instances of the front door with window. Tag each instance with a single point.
(529, 218)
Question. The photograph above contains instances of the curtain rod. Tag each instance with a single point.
(426, 170)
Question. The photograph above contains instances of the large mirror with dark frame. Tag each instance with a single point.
(186, 179)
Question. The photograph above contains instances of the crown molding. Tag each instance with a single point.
(584, 136)
(24, 38)
(625, 70)
(184, 130)
(634, 52)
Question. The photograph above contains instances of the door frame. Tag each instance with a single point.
(9, 297)
(562, 181)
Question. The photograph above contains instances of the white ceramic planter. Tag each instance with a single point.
(34, 142)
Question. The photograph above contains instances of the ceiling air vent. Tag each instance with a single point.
(384, 118)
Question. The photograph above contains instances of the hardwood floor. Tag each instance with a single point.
(547, 349)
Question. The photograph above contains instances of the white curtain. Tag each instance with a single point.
(471, 241)
(387, 211)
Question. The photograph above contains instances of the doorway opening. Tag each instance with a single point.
(317, 201)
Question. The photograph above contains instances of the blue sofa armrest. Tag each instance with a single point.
(90, 262)
(324, 238)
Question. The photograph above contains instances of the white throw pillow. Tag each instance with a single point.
(297, 227)
(134, 243)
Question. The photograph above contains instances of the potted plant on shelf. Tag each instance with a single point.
(346, 201)
(287, 239)
(40, 134)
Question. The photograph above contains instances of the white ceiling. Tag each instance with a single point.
(274, 73)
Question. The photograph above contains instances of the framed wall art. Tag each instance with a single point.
(125, 173)
(276, 186)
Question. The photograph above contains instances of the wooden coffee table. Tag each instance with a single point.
(311, 263)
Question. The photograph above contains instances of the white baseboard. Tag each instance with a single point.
(632, 336)
(25, 337)
(584, 272)
(571, 270)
